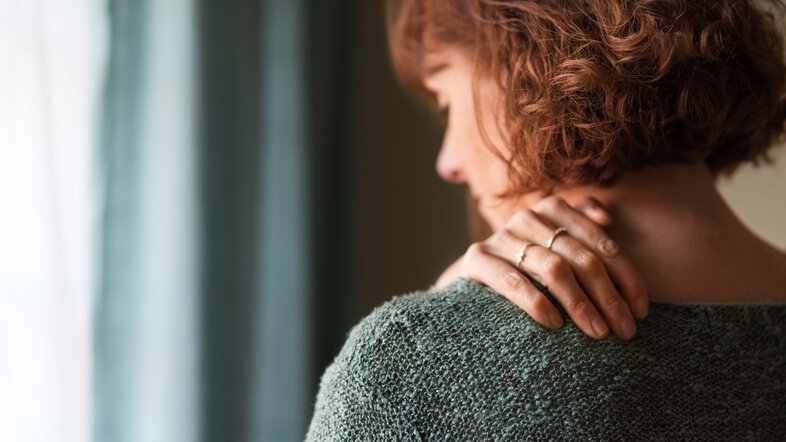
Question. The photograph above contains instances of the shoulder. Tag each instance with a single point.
(461, 301)
(373, 385)
(431, 330)
(463, 307)
(446, 359)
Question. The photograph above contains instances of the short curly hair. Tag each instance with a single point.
(594, 88)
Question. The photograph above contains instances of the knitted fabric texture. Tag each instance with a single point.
(465, 364)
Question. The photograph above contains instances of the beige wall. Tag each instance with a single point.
(758, 195)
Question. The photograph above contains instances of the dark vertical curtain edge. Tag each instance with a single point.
(229, 139)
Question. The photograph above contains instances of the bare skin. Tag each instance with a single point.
(685, 241)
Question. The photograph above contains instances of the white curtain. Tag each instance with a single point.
(51, 64)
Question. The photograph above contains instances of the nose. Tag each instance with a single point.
(449, 163)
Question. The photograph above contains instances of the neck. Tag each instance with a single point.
(685, 240)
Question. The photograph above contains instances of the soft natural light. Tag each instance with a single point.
(50, 81)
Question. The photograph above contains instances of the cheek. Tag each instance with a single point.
(492, 171)
(492, 148)
(466, 138)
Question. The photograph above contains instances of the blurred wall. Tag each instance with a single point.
(758, 195)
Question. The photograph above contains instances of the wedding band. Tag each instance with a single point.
(523, 253)
(557, 233)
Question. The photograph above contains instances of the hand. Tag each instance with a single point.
(584, 270)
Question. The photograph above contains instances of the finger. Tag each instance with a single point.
(554, 272)
(594, 210)
(502, 277)
(562, 283)
(622, 272)
(589, 270)
(596, 282)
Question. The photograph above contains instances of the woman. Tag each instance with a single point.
(637, 105)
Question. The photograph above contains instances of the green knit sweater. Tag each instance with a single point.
(465, 364)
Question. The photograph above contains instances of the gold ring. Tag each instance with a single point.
(557, 233)
(523, 253)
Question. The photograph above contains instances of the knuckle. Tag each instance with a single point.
(512, 279)
(521, 217)
(580, 306)
(475, 249)
(540, 305)
(553, 266)
(608, 247)
(615, 305)
(550, 203)
(588, 262)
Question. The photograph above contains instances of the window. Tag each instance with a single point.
(50, 81)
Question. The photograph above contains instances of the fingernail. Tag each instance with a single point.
(595, 208)
(600, 327)
(601, 213)
(628, 329)
(556, 320)
(642, 308)
(609, 248)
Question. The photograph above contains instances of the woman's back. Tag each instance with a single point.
(465, 364)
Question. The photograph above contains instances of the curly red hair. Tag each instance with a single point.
(593, 88)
